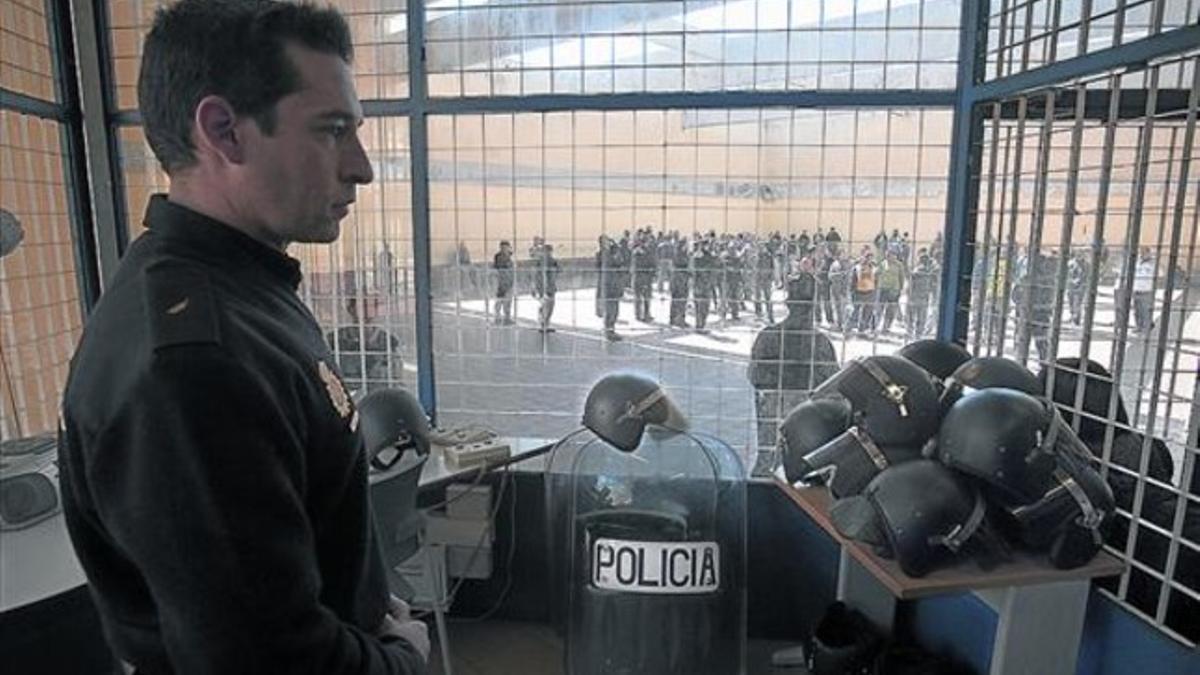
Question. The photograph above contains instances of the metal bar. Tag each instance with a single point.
(110, 227)
(1055, 31)
(1000, 38)
(106, 77)
(74, 148)
(1130, 54)
(418, 135)
(993, 277)
(1118, 22)
(1026, 35)
(1033, 251)
(963, 179)
(1068, 228)
(1133, 236)
(1093, 282)
(28, 105)
(1189, 141)
(1085, 25)
(880, 98)
(1013, 213)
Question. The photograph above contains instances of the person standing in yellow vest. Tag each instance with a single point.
(863, 284)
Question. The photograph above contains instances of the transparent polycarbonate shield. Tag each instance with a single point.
(648, 554)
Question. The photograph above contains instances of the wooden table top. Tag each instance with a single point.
(1025, 569)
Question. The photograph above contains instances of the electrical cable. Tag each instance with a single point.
(487, 532)
(508, 565)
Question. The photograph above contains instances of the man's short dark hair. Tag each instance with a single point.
(229, 48)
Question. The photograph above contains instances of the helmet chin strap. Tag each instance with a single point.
(868, 445)
(958, 536)
(893, 391)
(1048, 440)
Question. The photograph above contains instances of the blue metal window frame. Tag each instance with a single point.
(67, 112)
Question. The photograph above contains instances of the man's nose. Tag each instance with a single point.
(356, 166)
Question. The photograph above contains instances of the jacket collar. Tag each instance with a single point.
(217, 242)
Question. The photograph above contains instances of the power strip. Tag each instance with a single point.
(464, 435)
(469, 454)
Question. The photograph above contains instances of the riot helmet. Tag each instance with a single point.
(936, 357)
(986, 372)
(1034, 468)
(999, 436)
(893, 399)
(848, 462)
(1097, 394)
(807, 427)
(1068, 521)
(919, 512)
(621, 405)
(392, 422)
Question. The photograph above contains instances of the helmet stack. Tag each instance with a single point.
(945, 455)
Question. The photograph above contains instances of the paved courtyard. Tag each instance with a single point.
(523, 382)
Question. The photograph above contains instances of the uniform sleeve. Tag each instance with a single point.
(200, 482)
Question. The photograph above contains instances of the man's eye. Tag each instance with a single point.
(338, 131)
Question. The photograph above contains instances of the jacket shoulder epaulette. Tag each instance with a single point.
(181, 305)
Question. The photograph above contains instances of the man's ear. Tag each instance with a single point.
(216, 129)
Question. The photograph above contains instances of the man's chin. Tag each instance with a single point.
(327, 233)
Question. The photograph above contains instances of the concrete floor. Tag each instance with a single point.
(518, 648)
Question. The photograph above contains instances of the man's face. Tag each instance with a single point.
(298, 183)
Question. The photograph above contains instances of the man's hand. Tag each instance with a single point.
(399, 622)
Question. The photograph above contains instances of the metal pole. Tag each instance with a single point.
(74, 149)
(963, 197)
(111, 232)
(418, 135)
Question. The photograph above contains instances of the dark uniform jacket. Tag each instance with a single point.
(505, 273)
(792, 354)
(213, 477)
(545, 280)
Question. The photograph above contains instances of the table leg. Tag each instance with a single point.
(1039, 627)
(859, 589)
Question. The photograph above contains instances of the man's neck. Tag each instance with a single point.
(215, 204)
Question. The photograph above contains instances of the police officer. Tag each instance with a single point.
(680, 280)
(613, 276)
(788, 360)
(505, 272)
(1034, 315)
(213, 475)
(665, 254)
(731, 271)
(920, 292)
(545, 285)
(705, 268)
(602, 246)
(1078, 271)
(644, 268)
(763, 272)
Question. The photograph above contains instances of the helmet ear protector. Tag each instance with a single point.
(807, 427)
(851, 460)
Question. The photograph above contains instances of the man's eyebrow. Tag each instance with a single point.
(340, 116)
